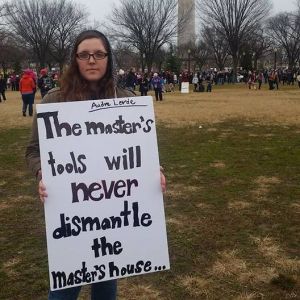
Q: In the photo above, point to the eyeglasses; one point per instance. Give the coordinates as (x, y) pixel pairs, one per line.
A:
(96, 56)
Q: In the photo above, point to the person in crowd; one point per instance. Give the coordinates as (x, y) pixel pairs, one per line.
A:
(45, 82)
(180, 81)
(13, 82)
(17, 82)
(144, 85)
(130, 80)
(175, 79)
(185, 77)
(209, 84)
(169, 82)
(284, 77)
(271, 79)
(121, 78)
(8, 83)
(298, 79)
(260, 77)
(164, 86)
(290, 77)
(276, 79)
(252, 80)
(56, 80)
(2, 88)
(201, 87)
(27, 89)
(294, 77)
(266, 75)
(195, 82)
(157, 85)
(90, 76)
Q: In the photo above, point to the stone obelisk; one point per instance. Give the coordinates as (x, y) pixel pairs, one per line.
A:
(186, 23)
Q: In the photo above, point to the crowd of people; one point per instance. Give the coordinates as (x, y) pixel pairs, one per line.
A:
(27, 85)
(163, 82)
(272, 77)
(160, 83)
(204, 81)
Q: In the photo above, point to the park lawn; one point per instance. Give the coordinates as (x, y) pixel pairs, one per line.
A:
(232, 211)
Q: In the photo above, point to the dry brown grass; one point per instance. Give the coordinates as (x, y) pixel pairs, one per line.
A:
(11, 111)
(265, 106)
(9, 267)
(195, 286)
(238, 205)
(279, 107)
(271, 250)
(246, 296)
(263, 186)
(296, 207)
(218, 165)
(4, 206)
(241, 274)
(229, 264)
(179, 190)
(129, 290)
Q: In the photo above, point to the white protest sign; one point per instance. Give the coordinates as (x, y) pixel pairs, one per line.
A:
(104, 212)
(185, 87)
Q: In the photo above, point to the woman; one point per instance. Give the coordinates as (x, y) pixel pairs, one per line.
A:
(27, 89)
(90, 76)
(45, 82)
(158, 86)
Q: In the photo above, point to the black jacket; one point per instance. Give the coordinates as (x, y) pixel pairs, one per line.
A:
(2, 85)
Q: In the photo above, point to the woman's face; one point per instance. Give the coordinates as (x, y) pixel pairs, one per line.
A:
(92, 70)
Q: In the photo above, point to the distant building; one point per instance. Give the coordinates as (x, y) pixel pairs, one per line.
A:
(186, 32)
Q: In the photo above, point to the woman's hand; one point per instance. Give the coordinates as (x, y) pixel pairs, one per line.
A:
(163, 182)
(42, 191)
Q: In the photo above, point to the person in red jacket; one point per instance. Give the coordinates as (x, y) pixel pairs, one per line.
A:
(27, 89)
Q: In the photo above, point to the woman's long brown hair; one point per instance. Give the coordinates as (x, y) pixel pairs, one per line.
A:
(75, 87)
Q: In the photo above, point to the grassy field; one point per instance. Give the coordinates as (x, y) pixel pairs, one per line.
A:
(232, 161)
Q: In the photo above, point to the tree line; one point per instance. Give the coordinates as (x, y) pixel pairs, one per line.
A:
(39, 31)
(240, 28)
(232, 32)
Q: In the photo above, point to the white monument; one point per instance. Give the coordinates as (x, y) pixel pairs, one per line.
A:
(186, 23)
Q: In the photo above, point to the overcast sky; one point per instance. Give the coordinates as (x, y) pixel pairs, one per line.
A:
(99, 9)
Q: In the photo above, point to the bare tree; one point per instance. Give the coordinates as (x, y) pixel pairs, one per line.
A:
(259, 44)
(70, 21)
(146, 25)
(217, 45)
(160, 58)
(11, 53)
(2, 13)
(5, 41)
(44, 25)
(284, 30)
(34, 22)
(125, 57)
(200, 54)
(235, 20)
